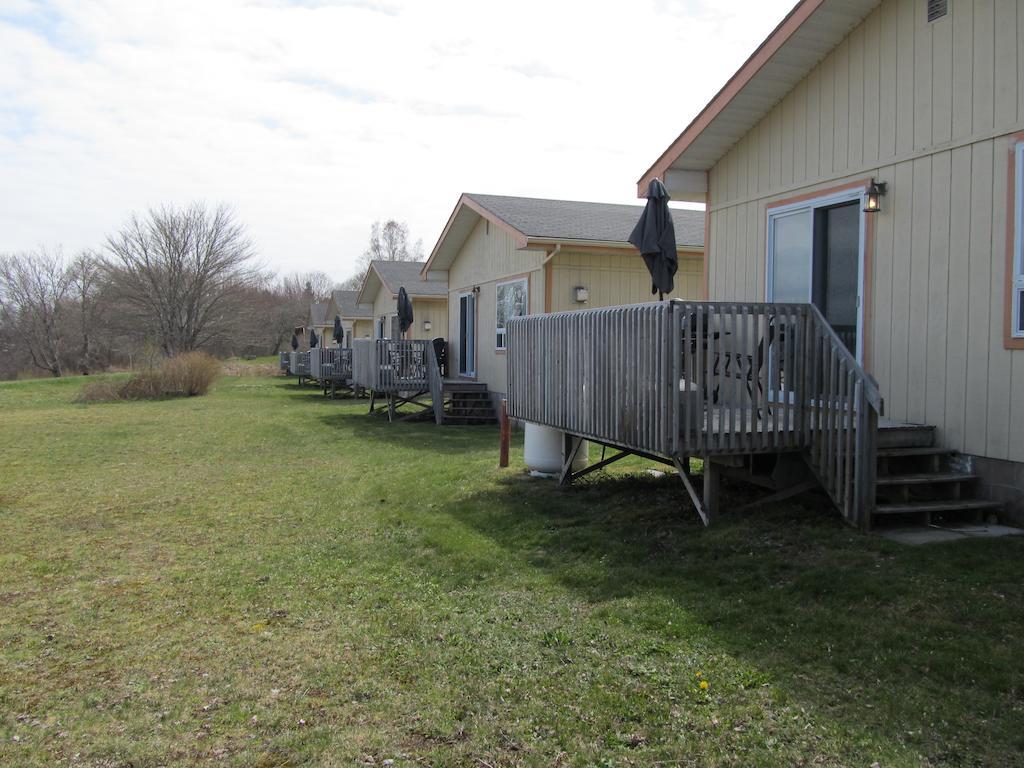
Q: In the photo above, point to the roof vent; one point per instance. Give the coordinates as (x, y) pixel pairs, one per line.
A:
(937, 9)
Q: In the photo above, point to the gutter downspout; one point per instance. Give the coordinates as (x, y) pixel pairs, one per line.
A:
(549, 276)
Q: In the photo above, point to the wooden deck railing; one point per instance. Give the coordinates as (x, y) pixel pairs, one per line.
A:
(317, 357)
(330, 364)
(390, 365)
(299, 363)
(703, 378)
(603, 374)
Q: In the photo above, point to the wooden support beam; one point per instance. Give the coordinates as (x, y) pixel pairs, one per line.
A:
(570, 447)
(600, 465)
(712, 490)
(785, 493)
(506, 434)
(684, 475)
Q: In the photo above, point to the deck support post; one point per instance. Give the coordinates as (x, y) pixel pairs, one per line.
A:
(570, 447)
(712, 489)
(506, 434)
(682, 466)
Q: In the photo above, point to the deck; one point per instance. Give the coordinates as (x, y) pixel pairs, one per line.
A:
(677, 379)
(330, 364)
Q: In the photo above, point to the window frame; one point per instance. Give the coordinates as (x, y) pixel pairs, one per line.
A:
(500, 329)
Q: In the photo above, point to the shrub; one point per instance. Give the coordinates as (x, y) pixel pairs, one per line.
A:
(187, 375)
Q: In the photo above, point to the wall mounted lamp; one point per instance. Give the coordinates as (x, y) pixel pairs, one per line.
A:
(873, 198)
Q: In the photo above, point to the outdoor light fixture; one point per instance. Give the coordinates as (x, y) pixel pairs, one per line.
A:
(873, 199)
(582, 294)
(427, 325)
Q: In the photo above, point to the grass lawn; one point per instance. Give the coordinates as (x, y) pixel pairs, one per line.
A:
(261, 577)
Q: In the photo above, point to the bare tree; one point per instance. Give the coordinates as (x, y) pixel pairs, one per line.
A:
(388, 242)
(86, 289)
(311, 286)
(34, 288)
(179, 270)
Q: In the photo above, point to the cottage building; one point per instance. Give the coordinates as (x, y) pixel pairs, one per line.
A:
(356, 318)
(869, 158)
(429, 299)
(503, 257)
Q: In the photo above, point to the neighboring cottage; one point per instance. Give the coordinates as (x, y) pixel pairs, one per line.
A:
(429, 299)
(356, 318)
(912, 109)
(502, 257)
(316, 320)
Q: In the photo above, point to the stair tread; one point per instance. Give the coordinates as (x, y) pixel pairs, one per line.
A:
(929, 450)
(936, 506)
(924, 478)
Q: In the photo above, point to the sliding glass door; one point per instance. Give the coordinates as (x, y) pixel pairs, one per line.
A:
(815, 255)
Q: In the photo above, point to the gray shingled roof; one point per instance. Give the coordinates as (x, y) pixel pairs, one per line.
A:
(318, 313)
(570, 220)
(406, 274)
(349, 307)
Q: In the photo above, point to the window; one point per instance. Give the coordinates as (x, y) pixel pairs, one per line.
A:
(511, 301)
(1017, 286)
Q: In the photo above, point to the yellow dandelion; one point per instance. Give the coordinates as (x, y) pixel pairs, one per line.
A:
(700, 674)
(703, 685)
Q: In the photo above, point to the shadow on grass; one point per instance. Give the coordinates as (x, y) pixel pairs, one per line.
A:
(442, 440)
(920, 646)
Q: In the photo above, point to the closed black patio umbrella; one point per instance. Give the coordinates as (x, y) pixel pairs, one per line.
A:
(339, 333)
(404, 311)
(313, 340)
(295, 342)
(655, 237)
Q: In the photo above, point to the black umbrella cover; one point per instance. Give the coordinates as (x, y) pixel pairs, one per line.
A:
(339, 333)
(313, 340)
(655, 237)
(404, 311)
(295, 342)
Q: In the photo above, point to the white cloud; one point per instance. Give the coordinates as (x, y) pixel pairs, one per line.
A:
(316, 118)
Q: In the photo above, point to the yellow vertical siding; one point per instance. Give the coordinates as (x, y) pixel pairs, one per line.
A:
(615, 278)
(931, 109)
(490, 257)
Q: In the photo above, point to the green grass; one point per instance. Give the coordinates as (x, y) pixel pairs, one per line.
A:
(261, 577)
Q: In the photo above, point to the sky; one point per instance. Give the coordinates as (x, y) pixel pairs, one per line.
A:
(315, 118)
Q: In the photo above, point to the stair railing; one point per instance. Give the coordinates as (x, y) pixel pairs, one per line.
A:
(436, 384)
(842, 405)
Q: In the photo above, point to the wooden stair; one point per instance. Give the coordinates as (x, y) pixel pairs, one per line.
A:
(920, 482)
(467, 402)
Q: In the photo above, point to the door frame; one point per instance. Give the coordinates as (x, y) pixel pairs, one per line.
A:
(825, 200)
(468, 374)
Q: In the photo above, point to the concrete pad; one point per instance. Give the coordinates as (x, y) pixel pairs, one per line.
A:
(933, 534)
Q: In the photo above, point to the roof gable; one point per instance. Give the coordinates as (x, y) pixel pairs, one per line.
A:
(346, 305)
(536, 220)
(799, 43)
(318, 313)
(392, 275)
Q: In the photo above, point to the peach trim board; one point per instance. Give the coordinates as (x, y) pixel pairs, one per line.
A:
(1009, 341)
(868, 253)
(786, 28)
